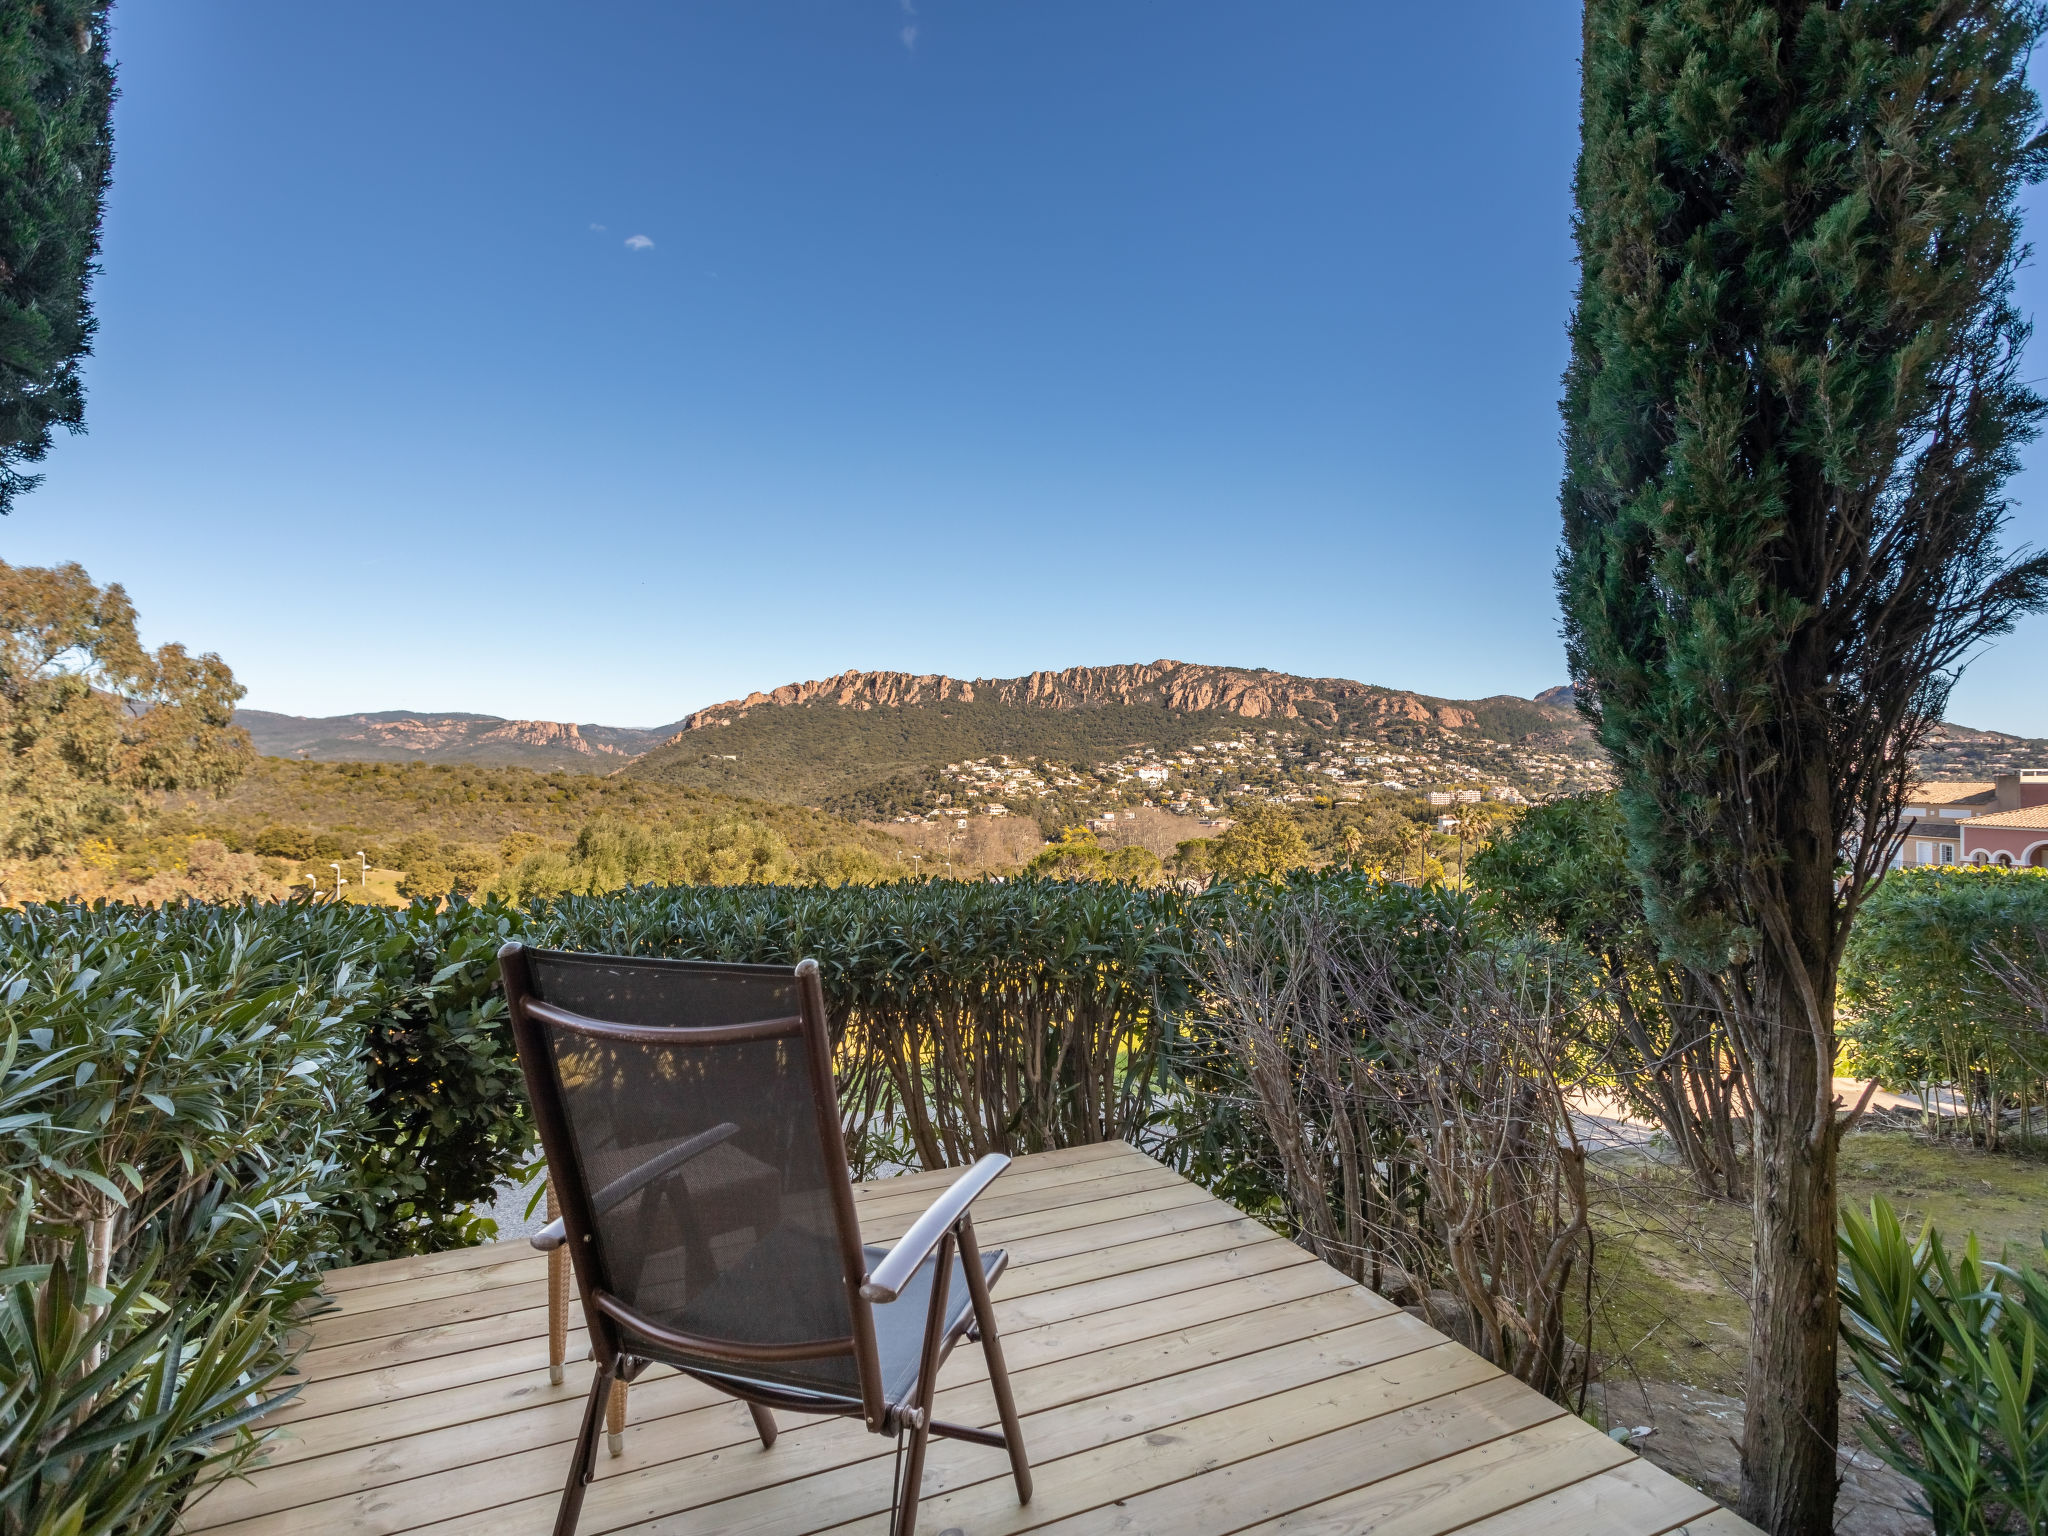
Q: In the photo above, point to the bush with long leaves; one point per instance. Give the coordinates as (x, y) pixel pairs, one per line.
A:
(114, 1406)
(1953, 1355)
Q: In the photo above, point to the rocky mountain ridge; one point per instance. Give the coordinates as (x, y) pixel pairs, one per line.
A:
(1189, 688)
(488, 740)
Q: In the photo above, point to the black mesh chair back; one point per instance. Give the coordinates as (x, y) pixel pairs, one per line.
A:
(698, 1112)
(695, 1153)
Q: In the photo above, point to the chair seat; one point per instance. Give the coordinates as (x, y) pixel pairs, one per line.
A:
(724, 1308)
(899, 1325)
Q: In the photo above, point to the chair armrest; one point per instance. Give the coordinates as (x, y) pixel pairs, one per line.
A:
(551, 1236)
(886, 1280)
(628, 1183)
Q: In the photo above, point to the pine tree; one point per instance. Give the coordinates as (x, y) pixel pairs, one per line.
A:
(1794, 398)
(56, 148)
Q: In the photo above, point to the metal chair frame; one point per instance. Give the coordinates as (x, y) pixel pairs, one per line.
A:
(945, 1230)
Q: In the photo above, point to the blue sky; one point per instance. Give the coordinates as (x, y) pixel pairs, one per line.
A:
(599, 362)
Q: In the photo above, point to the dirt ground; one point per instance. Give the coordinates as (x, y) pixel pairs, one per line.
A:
(1673, 1319)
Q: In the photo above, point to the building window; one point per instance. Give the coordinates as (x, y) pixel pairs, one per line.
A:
(1948, 853)
(1923, 852)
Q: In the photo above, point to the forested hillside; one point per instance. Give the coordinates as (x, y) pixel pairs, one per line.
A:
(879, 744)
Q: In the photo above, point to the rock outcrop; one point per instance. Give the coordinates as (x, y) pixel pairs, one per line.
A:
(1251, 694)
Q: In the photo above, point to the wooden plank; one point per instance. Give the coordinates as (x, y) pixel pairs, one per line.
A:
(1180, 1368)
(1242, 1470)
(838, 1468)
(383, 1354)
(433, 1373)
(1446, 1494)
(384, 1271)
(451, 1311)
(1047, 1365)
(1721, 1522)
(895, 1214)
(878, 1196)
(1633, 1499)
(414, 1414)
(1075, 1490)
(939, 1178)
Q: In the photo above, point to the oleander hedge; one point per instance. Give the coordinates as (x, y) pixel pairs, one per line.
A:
(204, 1106)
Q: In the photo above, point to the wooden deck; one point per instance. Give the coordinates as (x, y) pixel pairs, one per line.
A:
(1181, 1371)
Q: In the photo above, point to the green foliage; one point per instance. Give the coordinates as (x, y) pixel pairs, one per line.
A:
(1954, 1356)
(56, 146)
(1794, 396)
(1562, 874)
(448, 1115)
(1079, 855)
(90, 720)
(113, 1407)
(1923, 980)
(970, 1016)
(183, 1112)
(1264, 843)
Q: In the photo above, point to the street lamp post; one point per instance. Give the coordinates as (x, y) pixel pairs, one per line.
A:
(363, 859)
(335, 865)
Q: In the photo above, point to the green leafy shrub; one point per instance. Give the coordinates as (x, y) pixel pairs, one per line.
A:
(115, 1408)
(1936, 987)
(1953, 1356)
(969, 1016)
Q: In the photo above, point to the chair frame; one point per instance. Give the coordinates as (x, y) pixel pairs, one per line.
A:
(945, 1229)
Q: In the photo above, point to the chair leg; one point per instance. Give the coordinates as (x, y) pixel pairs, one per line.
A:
(615, 1418)
(912, 1483)
(583, 1464)
(764, 1425)
(558, 1302)
(992, 1351)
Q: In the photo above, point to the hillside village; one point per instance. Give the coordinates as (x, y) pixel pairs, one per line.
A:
(1206, 778)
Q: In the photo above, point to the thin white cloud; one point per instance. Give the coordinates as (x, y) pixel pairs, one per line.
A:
(639, 243)
(909, 35)
(598, 227)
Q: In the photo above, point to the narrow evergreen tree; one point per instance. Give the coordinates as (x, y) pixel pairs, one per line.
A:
(1793, 401)
(56, 148)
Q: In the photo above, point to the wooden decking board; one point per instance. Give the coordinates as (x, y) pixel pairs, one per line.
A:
(420, 1412)
(1634, 1496)
(515, 1286)
(838, 1471)
(1139, 1456)
(1453, 1491)
(385, 1270)
(1120, 1344)
(1052, 1188)
(1180, 1369)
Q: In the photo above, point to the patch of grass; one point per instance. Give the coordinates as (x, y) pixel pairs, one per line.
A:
(2001, 1196)
(1669, 1304)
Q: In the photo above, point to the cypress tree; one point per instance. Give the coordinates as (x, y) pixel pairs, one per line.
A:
(1794, 399)
(56, 149)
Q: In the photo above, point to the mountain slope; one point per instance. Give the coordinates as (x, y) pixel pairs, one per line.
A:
(870, 742)
(393, 736)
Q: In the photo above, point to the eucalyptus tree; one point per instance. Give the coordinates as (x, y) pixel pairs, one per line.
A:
(1794, 398)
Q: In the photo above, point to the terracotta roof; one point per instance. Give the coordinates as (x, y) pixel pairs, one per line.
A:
(1947, 791)
(2032, 816)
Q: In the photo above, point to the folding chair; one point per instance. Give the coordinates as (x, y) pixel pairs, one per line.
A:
(695, 1154)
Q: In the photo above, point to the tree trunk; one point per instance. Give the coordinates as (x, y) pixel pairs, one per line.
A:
(1790, 1426)
(1789, 1430)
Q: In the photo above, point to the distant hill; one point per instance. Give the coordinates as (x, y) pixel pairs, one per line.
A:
(886, 745)
(1958, 752)
(873, 743)
(396, 736)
